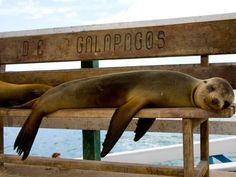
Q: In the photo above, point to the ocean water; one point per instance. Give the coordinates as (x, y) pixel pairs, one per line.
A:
(69, 142)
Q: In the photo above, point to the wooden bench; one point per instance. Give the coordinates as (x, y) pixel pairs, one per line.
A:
(201, 36)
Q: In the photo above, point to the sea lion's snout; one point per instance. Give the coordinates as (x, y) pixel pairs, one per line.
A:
(226, 104)
(215, 103)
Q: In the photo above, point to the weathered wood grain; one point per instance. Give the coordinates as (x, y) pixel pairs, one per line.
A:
(202, 169)
(2, 70)
(183, 112)
(161, 125)
(98, 119)
(16, 170)
(204, 145)
(98, 166)
(1, 137)
(54, 78)
(188, 155)
(196, 38)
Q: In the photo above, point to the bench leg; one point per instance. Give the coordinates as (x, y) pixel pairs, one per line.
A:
(188, 148)
(2, 70)
(204, 136)
(1, 140)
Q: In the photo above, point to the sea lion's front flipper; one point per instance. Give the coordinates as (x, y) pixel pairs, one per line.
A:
(120, 120)
(143, 126)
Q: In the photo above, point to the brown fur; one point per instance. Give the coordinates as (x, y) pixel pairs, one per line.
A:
(128, 92)
(16, 94)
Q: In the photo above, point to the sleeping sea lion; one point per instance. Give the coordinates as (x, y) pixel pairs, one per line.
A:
(16, 94)
(128, 92)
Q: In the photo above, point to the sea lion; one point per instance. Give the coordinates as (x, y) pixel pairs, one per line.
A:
(128, 92)
(16, 94)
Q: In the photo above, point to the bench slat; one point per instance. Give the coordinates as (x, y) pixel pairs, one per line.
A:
(188, 112)
(196, 38)
(57, 77)
(226, 127)
(14, 170)
(96, 165)
(98, 119)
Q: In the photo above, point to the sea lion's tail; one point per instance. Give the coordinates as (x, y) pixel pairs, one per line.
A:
(28, 104)
(28, 133)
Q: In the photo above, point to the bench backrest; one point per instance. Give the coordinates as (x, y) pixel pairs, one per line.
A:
(201, 36)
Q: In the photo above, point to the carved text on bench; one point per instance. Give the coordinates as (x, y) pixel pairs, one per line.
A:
(103, 43)
(121, 42)
(137, 42)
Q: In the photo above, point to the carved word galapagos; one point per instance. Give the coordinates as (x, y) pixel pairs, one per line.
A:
(101, 43)
(121, 42)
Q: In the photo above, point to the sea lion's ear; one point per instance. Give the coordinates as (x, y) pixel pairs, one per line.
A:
(119, 121)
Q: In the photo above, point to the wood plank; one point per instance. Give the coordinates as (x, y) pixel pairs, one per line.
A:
(188, 148)
(54, 78)
(184, 112)
(13, 170)
(1, 139)
(160, 125)
(97, 165)
(202, 168)
(198, 122)
(204, 60)
(196, 38)
(2, 70)
(226, 127)
(204, 138)
(134, 24)
(79, 119)
(204, 145)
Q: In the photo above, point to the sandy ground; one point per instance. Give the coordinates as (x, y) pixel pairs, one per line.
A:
(10, 170)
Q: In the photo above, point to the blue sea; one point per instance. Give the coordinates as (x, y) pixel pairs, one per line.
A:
(69, 142)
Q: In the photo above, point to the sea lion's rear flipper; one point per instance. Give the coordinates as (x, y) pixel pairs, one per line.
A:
(143, 126)
(28, 104)
(120, 120)
(28, 133)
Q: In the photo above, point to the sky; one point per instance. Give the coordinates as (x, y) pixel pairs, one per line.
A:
(18, 15)
(34, 14)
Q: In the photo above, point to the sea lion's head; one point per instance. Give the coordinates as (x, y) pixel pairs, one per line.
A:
(214, 94)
